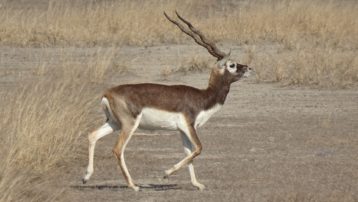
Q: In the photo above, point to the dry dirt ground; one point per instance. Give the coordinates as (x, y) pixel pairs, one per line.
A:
(268, 143)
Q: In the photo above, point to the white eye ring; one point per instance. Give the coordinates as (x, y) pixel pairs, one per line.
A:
(232, 66)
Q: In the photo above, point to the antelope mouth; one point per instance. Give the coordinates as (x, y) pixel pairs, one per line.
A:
(248, 72)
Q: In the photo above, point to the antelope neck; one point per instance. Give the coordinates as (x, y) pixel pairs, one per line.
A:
(217, 89)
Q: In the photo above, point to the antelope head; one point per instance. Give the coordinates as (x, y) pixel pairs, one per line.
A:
(226, 69)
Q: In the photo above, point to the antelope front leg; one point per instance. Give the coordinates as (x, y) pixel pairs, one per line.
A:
(188, 149)
(190, 133)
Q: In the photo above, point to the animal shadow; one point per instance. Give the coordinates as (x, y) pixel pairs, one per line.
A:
(153, 187)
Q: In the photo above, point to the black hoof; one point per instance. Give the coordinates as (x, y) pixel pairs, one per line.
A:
(84, 181)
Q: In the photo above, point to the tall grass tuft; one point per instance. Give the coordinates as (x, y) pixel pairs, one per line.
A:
(40, 123)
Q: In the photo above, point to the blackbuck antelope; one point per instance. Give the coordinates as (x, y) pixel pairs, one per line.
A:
(176, 107)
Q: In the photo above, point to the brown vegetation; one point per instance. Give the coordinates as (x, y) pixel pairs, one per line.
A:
(329, 24)
(319, 38)
(41, 120)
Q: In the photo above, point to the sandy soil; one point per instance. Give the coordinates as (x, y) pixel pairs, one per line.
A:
(268, 143)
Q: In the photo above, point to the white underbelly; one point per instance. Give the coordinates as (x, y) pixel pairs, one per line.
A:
(156, 119)
(153, 119)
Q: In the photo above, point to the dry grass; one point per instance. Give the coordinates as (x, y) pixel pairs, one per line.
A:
(40, 125)
(307, 29)
(313, 66)
(39, 133)
(37, 139)
(328, 23)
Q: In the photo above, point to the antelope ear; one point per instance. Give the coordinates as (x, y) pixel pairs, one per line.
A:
(221, 64)
(228, 54)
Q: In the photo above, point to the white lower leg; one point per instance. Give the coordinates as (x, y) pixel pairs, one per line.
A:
(93, 137)
(187, 149)
(126, 173)
(89, 170)
(194, 181)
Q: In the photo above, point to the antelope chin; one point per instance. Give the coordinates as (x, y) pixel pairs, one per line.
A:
(247, 74)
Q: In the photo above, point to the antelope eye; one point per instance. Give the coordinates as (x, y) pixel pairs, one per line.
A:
(232, 65)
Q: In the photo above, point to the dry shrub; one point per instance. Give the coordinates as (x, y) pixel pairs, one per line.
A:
(93, 69)
(308, 66)
(197, 64)
(41, 122)
(40, 112)
(194, 64)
